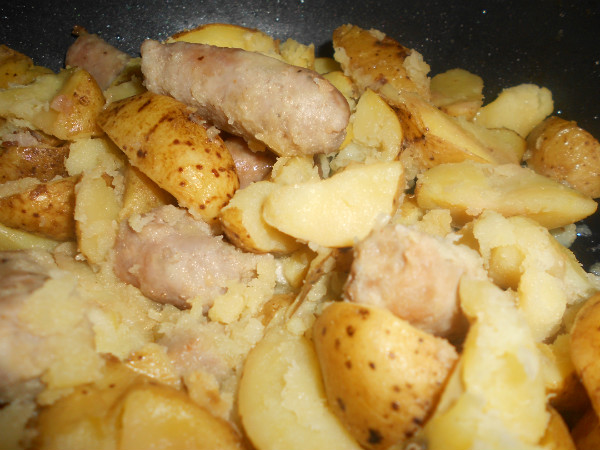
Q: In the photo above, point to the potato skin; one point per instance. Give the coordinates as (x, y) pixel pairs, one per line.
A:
(46, 209)
(382, 376)
(43, 163)
(160, 138)
(561, 150)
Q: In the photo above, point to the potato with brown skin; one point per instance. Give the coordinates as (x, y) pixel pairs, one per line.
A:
(382, 376)
(585, 348)
(17, 68)
(43, 163)
(45, 209)
(174, 148)
(566, 153)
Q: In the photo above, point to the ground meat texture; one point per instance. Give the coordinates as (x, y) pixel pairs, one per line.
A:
(415, 275)
(172, 257)
(103, 61)
(292, 110)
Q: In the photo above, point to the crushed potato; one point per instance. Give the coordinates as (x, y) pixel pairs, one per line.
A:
(275, 347)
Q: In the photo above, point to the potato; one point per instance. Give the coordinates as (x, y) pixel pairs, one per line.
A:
(522, 255)
(45, 209)
(281, 399)
(336, 211)
(567, 153)
(161, 137)
(586, 433)
(325, 64)
(558, 435)
(374, 124)
(41, 162)
(141, 194)
(227, 35)
(14, 239)
(297, 54)
(382, 376)
(17, 68)
(457, 92)
(125, 410)
(97, 206)
(160, 417)
(585, 348)
(519, 108)
(64, 105)
(433, 137)
(373, 59)
(244, 225)
(345, 85)
(469, 188)
(496, 396)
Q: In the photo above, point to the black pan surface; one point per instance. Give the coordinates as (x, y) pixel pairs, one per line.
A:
(553, 43)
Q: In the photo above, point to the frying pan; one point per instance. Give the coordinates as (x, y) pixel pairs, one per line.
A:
(553, 43)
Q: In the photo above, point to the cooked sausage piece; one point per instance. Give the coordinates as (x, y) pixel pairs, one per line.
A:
(290, 109)
(103, 61)
(250, 166)
(415, 275)
(171, 258)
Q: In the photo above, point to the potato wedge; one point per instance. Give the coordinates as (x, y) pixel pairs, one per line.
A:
(141, 194)
(374, 124)
(336, 211)
(297, 54)
(17, 68)
(433, 137)
(244, 225)
(46, 209)
(457, 92)
(43, 163)
(64, 105)
(382, 376)
(567, 153)
(162, 138)
(520, 108)
(469, 188)
(228, 35)
(14, 239)
(282, 402)
(373, 59)
(585, 348)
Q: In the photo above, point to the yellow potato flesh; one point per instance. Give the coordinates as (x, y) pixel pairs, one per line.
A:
(339, 210)
(469, 188)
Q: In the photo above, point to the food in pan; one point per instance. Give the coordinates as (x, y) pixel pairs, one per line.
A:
(229, 243)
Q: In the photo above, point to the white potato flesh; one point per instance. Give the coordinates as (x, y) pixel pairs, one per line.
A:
(337, 211)
(282, 400)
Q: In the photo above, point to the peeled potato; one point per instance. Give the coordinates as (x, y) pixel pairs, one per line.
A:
(457, 92)
(336, 211)
(519, 108)
(469, 188)
(281, 399)
(162, 139)
(382, 375)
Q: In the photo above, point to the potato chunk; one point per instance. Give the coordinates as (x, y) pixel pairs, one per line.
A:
(339, 210)
(457, 92)
(282, 401)
(64, 105)
(382, 375)
(567, 153)
(519, 108)
(162, 138)
(469, 188)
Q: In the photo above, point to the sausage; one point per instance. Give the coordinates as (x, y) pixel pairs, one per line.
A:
(172, 257)
(250, 166)
(294, 111)
(415, 275)
(103, 61)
